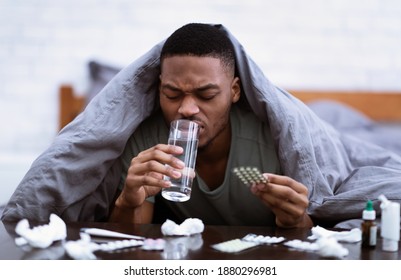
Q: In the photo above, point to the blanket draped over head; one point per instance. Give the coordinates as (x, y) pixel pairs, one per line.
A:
(77, 176)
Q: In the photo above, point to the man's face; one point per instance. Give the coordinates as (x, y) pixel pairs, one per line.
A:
(199, 89)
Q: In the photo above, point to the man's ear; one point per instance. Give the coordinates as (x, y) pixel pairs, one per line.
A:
(236, 89)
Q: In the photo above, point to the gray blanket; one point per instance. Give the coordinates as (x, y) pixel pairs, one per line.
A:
(78, 175)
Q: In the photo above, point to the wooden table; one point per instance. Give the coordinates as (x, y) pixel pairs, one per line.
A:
(197, 247)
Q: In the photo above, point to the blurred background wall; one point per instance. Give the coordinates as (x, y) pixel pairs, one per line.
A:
(326, 44)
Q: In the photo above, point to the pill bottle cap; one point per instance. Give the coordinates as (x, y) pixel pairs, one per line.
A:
(369, 213)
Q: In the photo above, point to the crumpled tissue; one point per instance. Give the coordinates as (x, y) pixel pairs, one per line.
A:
(325, 247)
(41, 236)
(351, 236)
(81, 249)
(329, 247)
(189, 227)
(327, 242)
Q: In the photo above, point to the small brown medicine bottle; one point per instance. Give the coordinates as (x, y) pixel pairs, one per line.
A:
(369, 226)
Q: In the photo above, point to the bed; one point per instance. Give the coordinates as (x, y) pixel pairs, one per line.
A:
(373, 116)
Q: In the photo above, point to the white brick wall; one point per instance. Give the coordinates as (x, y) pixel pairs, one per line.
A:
(352, 44)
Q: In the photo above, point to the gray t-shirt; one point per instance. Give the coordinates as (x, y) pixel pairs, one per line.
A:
(231, 203)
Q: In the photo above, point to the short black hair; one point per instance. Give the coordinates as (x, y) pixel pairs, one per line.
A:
(203, 40)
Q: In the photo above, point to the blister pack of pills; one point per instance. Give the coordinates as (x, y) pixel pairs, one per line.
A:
(151, 244)
(261, 239)
(249, 175)
(119, 244)
(234, 246)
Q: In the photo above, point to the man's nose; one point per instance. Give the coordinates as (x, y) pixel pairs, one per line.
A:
(188, 106)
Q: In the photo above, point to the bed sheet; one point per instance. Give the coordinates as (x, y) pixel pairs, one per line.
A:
(348, 120)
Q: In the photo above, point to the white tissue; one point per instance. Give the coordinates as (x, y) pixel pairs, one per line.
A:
(41, 236)
(81, 249)
(188, 227)
(352, 236)
(325, 247)
(329, 247)
(327, 242)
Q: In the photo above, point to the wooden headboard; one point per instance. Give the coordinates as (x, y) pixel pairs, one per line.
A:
(70, 105)
(379, 106)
